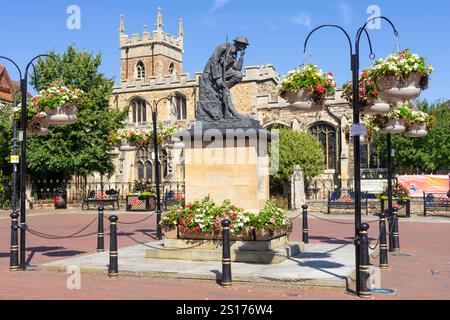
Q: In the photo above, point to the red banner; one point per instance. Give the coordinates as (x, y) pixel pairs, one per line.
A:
(417, 185)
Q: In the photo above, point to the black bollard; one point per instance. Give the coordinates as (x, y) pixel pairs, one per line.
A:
(305, 224)
(384, 264)
(14, 257)
(101, 229)
(113, 270)
(226, 257)
(364, 268)
(395, 247)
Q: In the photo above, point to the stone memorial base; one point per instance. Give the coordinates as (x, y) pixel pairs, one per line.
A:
(262, 252)
(227, 164)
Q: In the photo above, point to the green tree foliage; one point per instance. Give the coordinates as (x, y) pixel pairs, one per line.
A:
(79, 149)
(5, 135)
(297, 148)
(422, 155)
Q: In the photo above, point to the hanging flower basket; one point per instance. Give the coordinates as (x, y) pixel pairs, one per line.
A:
(418, 130)
(126, 146)
(302, 101)
(306, 89)
(395, 89)
(401, 76)
(59, 103)
(64, 115)
(37, 132)
(394, 126)
(376, 107)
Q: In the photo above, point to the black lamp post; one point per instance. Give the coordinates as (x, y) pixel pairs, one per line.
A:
(23, 158)
(354, 53)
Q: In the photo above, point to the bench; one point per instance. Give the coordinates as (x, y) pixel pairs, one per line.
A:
(435, 202)
(346, 200)
(110, 197)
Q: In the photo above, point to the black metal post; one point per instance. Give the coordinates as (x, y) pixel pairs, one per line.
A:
(23, 173)
(157, 174)
(14, 257)
(101, 230)
(364, 267)
(384, 263)
(390, 195)
(395, 245)
(226, 257)
(305, 229)
(15, 164)
(113, 269)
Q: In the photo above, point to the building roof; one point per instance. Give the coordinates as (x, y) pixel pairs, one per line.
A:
(7, 86)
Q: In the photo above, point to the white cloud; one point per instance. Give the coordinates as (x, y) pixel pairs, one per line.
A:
(303, 19)
(219, 4)
(346, 11)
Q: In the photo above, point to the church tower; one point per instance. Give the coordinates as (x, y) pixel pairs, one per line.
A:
(150, 55)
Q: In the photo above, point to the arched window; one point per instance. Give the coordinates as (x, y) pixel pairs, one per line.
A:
(148, 171)
(171, 69)
(181, 106)
(140, 70)
(327, 136)
(139, 109)
(140, 171)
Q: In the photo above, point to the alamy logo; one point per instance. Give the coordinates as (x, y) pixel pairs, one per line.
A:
(374, 11)
(74, 20)
(74, 280)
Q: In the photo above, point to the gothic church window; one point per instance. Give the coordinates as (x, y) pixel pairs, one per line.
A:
(140, 70)
(171, 69)
(326, 134)
(139, 109)
(181, 106)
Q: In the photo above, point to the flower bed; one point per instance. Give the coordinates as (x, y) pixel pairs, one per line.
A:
(202, 220)
(305, 89)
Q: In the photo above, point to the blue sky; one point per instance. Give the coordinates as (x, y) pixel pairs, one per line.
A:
(276, 30)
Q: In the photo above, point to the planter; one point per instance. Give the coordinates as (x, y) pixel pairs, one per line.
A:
(378, 107)
(417, 130)
(197, 236)
(394, 126)
(141, 204)
(301, 101)
(393, 89)
(45, 122)
(170, 232)
(270, 233)
(246, 234)
(126, 146)
(64, 115)
(41, 132)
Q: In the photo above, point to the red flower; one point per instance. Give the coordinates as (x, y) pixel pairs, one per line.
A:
(235, 216)
(330, 74)
(321, 89)
(375, 93)
(364, 74)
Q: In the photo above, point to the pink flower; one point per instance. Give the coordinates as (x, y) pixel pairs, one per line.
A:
(321, 89)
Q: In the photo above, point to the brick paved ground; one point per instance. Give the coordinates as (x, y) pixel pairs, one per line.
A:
(425, 274)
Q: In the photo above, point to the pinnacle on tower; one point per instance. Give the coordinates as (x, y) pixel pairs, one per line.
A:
(145, 28)
(159, 21)
(122, 25)
(181, 30)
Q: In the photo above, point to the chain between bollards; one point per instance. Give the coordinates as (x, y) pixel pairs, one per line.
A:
(101, 229)
(384, 263)
(395, 236)
(305, 230)
(226, 257)
(14, 257)
(364, 266)
(113, 269)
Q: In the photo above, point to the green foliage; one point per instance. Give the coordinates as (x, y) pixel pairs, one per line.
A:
(303, 149)
(79, 149)
(422, 155)
(5, 134)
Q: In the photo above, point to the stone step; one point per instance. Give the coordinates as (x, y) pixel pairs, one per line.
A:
(274, 256)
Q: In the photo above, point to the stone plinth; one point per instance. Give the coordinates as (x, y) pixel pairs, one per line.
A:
(264, 252)
(227, 164)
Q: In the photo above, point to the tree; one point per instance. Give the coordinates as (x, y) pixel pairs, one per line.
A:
(422, 155)
(79, 149)
(297, 148)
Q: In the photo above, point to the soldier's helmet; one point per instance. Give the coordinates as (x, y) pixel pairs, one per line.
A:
(242, 40)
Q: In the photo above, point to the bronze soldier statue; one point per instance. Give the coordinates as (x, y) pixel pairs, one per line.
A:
(222, 72)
